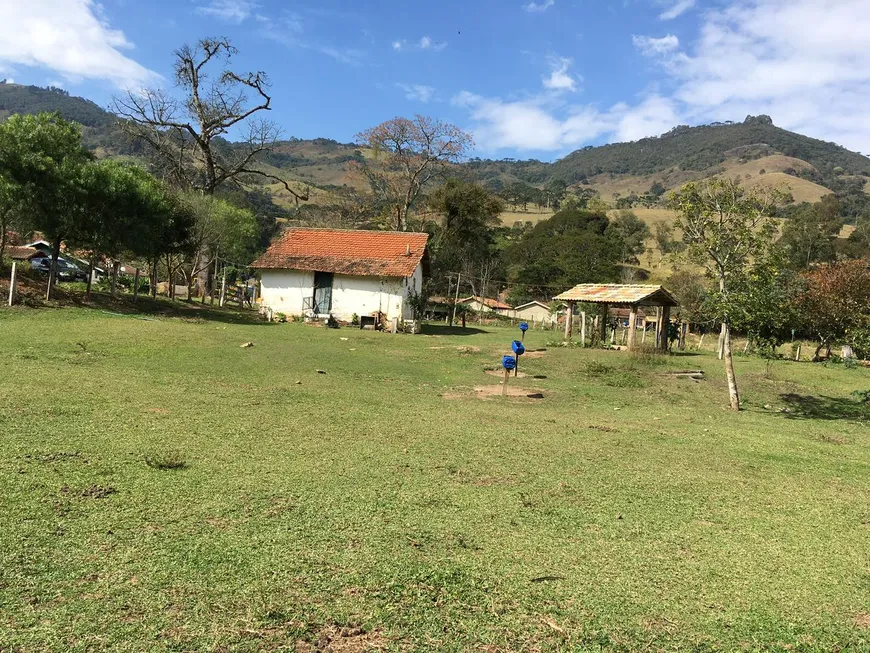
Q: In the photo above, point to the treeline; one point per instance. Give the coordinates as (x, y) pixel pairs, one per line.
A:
(112, 211)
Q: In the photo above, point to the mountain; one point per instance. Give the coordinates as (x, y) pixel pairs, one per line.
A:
(755, 149)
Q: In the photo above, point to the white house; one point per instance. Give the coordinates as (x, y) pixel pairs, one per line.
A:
(486, 305)
(536, 312)
(338, 272)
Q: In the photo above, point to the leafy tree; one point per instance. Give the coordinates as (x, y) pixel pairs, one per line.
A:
(409, 153)
(463, 235)
(572, 247)
(692, 293)
(219, 229)
(632, 232)
(763, 301)
(836, 302)
(809, 235)
(663, 234)
(725, 227)
(41, 158)
(187, 136)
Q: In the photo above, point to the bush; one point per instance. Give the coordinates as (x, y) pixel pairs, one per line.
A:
(165, 459)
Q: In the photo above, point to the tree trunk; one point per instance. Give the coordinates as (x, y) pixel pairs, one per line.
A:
(154, 279)
(3, 239)
(721, 349)
(733, 394)
(52, 272)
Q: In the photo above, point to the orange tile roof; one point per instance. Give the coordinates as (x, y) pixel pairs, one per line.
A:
(615, 293)
(343, 251)
(21, 253)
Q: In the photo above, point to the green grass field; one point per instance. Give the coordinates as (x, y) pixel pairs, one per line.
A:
(383, 504)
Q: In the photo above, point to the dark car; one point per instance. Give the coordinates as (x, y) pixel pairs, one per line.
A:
(66, 271)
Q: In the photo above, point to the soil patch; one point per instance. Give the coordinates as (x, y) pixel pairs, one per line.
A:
(343, 640)
(500, 374)
(495, 391)
(467, 349)
(863, 620)
(533, 354)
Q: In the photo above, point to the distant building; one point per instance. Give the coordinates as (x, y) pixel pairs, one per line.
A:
(322, 272)
(537, 312)
(487, 305)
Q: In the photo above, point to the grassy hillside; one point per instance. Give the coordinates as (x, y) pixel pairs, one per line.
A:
(755, 150)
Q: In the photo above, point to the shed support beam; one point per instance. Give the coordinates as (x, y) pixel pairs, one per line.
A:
(603, 323)
(569, 318)
(582, 328)
(632, 326)
(666, 320)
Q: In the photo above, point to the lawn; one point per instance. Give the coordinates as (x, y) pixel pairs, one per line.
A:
(382, 503)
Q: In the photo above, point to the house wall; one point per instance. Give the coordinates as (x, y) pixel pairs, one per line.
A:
(535, 313)
(284, 291)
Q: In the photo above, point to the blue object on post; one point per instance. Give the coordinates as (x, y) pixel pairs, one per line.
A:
(509, 362)
(518, 347)
(524, 326)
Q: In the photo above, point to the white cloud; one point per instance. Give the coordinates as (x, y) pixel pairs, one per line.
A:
(232, 11)
(677, 9)
(559, 78)
(650, 46)
(803, 62)
(425, 43)
(71, 39)
(9, 80)
(417, 92)
(536, 124)
(538, 7)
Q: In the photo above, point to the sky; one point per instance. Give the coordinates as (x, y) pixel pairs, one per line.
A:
(528, 78)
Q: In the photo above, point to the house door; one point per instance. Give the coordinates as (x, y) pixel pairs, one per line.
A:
(322, 292)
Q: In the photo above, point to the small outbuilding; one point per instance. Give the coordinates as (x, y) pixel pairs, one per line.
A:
(536, 312)
(486, 305)
(342, 273)
(630, 296)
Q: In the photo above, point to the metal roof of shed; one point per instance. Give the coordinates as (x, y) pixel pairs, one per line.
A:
(615, 293)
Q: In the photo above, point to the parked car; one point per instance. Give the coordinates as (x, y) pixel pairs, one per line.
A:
(66, 271)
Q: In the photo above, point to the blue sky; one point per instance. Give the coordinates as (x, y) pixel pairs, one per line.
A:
(529, 78)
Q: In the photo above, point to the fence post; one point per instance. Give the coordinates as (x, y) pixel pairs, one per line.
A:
(12, 282)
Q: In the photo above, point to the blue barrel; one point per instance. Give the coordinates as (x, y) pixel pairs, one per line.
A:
(509, 362)
(518, 348)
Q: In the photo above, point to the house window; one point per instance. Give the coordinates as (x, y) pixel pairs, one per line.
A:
(322, 292)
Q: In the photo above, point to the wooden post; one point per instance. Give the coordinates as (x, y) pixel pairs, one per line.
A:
(569, 318)
(684, 331)
(507, 374)
(632, 326)
(666, 320)
(582, 328)
(603, 323)
(12, 282)
(797, 355)
(224, 286)
(643, 335)
(136, 285)
(701, 341)
(455, 300)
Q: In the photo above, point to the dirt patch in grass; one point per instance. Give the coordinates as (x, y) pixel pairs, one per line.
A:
(500, 374)
(334, 639)
(863, 620)
(495, 391)
(467, 349)
(533, 354)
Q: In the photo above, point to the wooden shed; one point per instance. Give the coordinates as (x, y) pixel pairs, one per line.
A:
(631, 296)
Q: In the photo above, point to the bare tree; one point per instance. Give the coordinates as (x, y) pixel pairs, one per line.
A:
(408, 154)
(187, 137)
